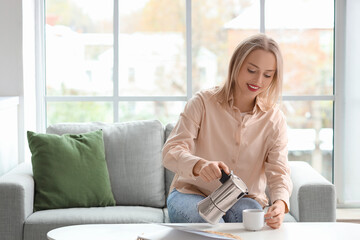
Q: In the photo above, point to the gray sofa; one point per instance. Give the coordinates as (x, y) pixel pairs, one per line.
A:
(139, 183)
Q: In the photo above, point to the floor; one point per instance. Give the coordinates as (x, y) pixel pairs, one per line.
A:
(348, 215)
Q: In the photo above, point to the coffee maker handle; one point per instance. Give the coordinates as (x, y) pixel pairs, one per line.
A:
(224, 177)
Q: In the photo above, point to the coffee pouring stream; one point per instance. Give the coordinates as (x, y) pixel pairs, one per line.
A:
(214, 206)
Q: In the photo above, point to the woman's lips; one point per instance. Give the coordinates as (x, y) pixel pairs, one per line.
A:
(253, 88)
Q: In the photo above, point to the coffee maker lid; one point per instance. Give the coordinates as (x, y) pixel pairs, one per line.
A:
(238, 182)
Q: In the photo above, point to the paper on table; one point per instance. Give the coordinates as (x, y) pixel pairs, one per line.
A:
(175, 232)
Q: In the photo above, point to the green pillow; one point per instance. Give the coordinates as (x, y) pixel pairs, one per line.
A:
(69, 170)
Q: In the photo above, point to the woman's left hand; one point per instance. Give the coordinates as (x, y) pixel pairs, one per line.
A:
(275, 214)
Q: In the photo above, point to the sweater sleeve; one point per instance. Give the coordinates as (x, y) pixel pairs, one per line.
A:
(178, 151)
(277, 169)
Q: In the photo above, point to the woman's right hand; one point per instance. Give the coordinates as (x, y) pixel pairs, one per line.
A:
(209, 170)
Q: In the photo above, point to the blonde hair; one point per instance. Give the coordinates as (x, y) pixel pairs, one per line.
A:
(259, 41)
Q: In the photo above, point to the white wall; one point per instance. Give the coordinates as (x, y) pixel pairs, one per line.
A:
(17, 64)
(11, 82)
(9, 133)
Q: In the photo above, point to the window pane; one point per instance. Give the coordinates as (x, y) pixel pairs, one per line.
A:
(305, 34)
(310, 132)
(152, 60)
(217, 28)
(79, 47)
(166, 112)
(79, 112)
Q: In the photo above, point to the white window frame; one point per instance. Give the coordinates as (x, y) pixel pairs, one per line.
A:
(341, 51)
(339, 75)
(337, 97)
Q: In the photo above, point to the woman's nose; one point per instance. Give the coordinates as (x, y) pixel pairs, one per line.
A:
(259, 78)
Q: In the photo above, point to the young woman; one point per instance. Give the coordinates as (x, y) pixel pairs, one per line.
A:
(237, 127)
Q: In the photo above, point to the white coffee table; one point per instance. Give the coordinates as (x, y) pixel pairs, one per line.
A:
(288, 231)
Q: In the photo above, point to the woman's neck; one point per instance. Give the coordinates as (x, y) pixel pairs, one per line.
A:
(243, 104)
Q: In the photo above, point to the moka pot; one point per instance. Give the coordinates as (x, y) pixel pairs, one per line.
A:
(213, 207)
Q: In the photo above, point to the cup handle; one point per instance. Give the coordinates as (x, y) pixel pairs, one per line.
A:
(266, 219)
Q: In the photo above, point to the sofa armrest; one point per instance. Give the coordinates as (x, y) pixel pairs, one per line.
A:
(16, 201)
(313, 198)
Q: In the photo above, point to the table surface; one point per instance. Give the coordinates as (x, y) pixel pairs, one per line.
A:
(293, 231)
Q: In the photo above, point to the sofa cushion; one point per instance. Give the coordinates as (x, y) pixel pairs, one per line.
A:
(69, 170)
(38, 224)
(133, 155)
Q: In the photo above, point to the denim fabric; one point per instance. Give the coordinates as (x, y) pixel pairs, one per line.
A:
(183, 208)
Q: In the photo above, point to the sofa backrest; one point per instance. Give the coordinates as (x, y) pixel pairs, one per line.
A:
(133, 156)
(169, 175)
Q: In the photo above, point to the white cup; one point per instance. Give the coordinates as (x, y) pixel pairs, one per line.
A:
(253, 219)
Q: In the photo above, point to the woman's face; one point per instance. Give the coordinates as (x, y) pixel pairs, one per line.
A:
(256, 73)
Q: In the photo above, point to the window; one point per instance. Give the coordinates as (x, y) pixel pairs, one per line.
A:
(307, 45)
(142, 59)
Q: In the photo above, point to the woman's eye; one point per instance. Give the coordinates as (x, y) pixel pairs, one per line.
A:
(251, 71)
(267, 76)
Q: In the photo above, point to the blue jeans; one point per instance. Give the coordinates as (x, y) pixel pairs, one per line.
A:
(183, 208)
